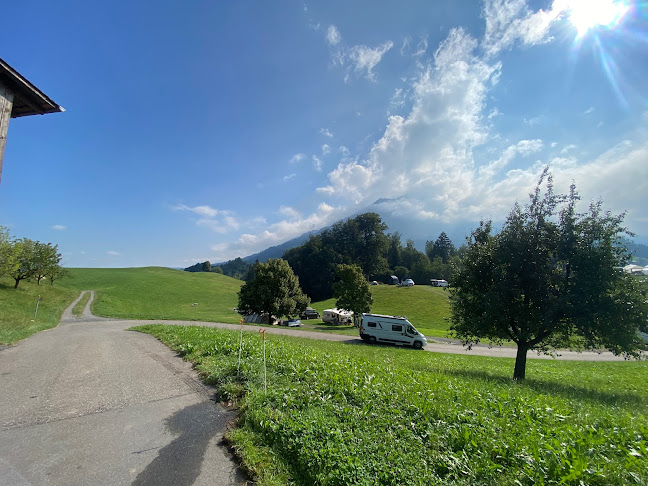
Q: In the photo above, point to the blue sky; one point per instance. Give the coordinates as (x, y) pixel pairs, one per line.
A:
(209, 130)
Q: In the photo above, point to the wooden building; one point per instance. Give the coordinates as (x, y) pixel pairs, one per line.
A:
(18, 97)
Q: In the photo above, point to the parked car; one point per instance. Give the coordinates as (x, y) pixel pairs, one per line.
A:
(438, 283)
(374, 283)
(408, 282)
(309, 313)
(293, 323)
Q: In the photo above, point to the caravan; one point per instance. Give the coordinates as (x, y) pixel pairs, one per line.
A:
(337, 316)
(377, 328)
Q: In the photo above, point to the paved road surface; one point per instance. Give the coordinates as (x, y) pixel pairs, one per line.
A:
(89, 404)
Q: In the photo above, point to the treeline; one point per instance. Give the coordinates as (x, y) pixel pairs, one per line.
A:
(22, 259)
(237, 268)
(363, 241)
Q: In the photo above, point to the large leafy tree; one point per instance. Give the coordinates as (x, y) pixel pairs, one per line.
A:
(548, 280)
(352, 291)
(274, 290)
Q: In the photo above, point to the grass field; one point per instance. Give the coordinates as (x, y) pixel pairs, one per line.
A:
(337, 414)
(17, 308)
(158, 293)
(163, 293)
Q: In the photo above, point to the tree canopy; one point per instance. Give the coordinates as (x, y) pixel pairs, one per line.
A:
(548, 280)
(352, 291)
(274, 290)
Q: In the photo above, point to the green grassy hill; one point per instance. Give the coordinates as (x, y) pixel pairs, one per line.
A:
(424, 306)
(158, 293)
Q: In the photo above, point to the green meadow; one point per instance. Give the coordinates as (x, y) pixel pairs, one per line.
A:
(163, 293)
(339, 414)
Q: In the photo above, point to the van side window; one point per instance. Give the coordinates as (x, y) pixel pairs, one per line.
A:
(397, 328)
(371, 324)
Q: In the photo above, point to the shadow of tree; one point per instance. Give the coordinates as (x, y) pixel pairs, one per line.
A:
(554, 388)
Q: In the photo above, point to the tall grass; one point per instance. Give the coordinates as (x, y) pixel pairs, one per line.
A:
(338, 414)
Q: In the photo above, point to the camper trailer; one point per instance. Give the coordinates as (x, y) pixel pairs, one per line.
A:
(376, 328)
(337, 316)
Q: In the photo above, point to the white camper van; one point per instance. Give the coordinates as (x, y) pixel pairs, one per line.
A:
(377, 328)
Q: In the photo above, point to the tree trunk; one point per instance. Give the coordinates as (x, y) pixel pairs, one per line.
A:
(17, 282)
(520, 361)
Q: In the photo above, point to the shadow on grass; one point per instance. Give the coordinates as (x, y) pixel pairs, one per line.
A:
(553, 388)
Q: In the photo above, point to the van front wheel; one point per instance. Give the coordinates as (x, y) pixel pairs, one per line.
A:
(417, 345)
(372, 339)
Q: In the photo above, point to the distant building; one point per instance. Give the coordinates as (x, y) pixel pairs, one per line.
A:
(18, 97)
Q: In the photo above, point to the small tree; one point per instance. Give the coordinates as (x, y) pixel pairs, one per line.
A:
(55, 273)
(352, 291)
(548, 279)
(24, 256)
(47, 260)
(206, 267)
(274, 290)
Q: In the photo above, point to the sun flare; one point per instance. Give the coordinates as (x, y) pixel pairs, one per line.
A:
(588, 14)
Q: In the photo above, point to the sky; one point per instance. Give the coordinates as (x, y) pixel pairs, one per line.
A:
(206, 130)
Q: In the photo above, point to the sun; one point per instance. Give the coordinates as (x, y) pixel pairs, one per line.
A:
(589, 14)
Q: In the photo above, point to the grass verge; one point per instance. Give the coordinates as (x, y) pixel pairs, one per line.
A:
(337, 414)
(18, 306)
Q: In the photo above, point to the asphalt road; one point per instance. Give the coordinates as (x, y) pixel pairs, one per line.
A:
(89, 404)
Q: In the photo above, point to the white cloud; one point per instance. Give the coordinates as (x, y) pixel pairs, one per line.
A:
(277, 233)
(208, 218)
(523, 148)
(59, 227)
(317, 163)
(289, 212)
(113, 253)
(589, 110)
(536, 120)
(326, 149)
(289, 176)
(333, 35)
(431, 146)
(297, 158)
(364, 59)
(205, 211)
(360, 58)
(494, 112)
(510, 21)
(421, 46)
(326, 132)
(407, 40)
(568, 148)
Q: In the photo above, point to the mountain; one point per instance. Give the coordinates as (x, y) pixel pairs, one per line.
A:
(278, 250)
